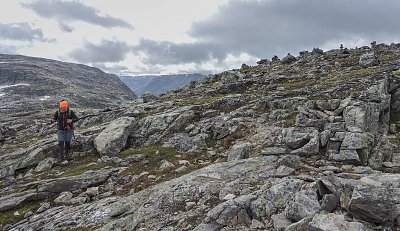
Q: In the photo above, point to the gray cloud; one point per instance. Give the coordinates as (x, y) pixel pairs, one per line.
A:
(106, 51)
(164, 52)
(74, 11)
(65, 28)
(6, 49)
(263, 28)
(20, 32)
(111, 69)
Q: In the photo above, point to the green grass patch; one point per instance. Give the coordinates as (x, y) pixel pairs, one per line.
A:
(362, 71)
(8, 217)
(78, 166)
(94, 122)
(292, 84)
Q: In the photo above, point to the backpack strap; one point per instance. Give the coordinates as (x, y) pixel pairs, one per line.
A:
(69, 113)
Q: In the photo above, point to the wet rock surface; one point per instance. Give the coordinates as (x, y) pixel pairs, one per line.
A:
(305, 143)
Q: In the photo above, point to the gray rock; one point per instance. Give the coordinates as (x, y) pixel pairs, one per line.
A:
(368, 60)
(283, 171)
(85, 180)
(346, 156)
(295, 138)
(331, 221)
(43, 207)
(262, 208)
(311, 148)
(280, 194)
(300, 225)
(372, 204)
(148, 97)
(382, 152)
(45, 164)
(113, 138)
(280, 222)
(255, 224)
(291, 161)
(355, 141)
(240, 151)
(302, 205)
(355, 118)
(166, 166)
(64, 198)
(231, 212)
(329, 202)
(329, 105)
(11, 201)
(288, 59)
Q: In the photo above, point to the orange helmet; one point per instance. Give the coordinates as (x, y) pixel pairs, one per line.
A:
(64, 105)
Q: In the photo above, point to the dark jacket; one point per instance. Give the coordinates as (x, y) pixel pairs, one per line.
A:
(61, 118)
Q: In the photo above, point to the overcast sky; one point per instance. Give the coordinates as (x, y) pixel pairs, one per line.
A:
(184, 36)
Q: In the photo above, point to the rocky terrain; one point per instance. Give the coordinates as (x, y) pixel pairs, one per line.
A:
(302, 143)
(158, 84)
(28, 83)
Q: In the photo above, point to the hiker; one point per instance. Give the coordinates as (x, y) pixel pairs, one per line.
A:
(65, 118)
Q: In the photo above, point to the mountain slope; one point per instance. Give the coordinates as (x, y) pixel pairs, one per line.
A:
(28, 83)
(303, 143)
(158, 84)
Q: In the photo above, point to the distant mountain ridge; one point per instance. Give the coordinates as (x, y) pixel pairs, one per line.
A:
(158, 84)
(29, 83)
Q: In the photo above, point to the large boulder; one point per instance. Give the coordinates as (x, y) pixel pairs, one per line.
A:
(113, 138)
(373, 204)
(85, 180)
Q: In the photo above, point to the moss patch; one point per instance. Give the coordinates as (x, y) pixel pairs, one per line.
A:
(9, 217)
(92, 123)
(198, 100)
(78, 166)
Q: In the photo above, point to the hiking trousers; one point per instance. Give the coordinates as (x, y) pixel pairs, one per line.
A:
(64, 143)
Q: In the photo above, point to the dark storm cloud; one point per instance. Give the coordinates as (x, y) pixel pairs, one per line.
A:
(164, 52)
(74, 11)
(20, 32)
(276, 26)
(106, 51)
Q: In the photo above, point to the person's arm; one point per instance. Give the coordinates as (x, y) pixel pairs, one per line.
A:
(54, 118)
